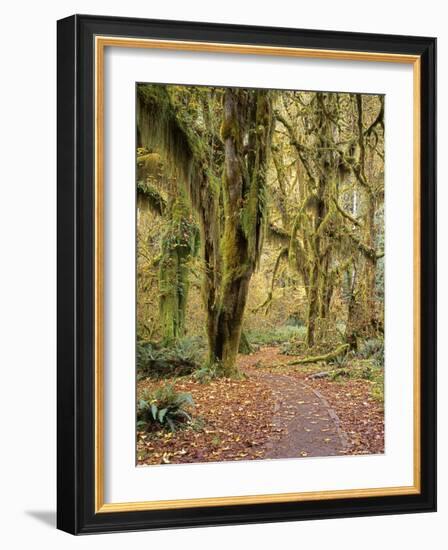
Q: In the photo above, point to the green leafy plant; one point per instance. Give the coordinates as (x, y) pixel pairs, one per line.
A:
(366, 373)
(377, 392)
(340, 360)
(179, 358)
(373, 349)
(164, 408)
(276, 335)
(340, 373)
(207, 373)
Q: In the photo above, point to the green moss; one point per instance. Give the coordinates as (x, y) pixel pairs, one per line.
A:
(276, 335)
(163, 130)
(178, 246)
(229, 128)
(152, 197)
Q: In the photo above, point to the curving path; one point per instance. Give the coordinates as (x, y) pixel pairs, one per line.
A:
(303, 422)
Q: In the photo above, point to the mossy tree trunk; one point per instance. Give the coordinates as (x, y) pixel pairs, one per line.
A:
(246, 133)
(318, 272)
(314, 222)
(362, 321)
(312, 310)
(211, 256)
(324, 189)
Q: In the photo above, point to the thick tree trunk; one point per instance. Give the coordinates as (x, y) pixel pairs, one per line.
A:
(246, 115)
(230, 320)
(237, 268)
(362, 321)
(210, 289)
(316, 278)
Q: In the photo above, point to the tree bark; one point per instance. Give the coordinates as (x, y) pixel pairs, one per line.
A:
(246, 119)
(343, 348)
(362, 321)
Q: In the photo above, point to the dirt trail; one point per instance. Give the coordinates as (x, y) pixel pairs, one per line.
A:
(304, 423)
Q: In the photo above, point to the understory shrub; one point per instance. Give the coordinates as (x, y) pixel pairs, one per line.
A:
(207, 373)
(164, 408)
(277, 335)
(340, 360)
(365, 369)
(373, 348)
(366, 373)
(377, 392)
(177, 359)
(340, 373)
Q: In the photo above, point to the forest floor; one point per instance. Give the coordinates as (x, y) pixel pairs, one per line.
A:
(275, 411)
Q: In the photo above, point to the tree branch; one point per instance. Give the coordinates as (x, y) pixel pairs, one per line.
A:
(346, 215)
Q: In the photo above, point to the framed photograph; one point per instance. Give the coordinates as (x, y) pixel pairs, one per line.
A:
(246, 274)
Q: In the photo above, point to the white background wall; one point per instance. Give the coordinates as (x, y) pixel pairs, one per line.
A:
(27, 273)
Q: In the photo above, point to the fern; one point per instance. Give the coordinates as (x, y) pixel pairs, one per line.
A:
(165, 408)
(180, 358)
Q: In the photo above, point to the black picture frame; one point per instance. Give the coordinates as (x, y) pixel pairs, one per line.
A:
(76, 271)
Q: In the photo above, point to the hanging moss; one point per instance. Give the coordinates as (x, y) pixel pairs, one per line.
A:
(148, 165)
(161, 127)
(161, 130)
(229, 129)
(253, 216)
(178, 246)
(152, 197)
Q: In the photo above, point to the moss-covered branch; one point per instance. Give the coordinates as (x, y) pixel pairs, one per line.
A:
(283, 255)
(346, 215)
(343, 348)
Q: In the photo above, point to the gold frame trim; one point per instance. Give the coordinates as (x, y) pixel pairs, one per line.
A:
(101, 42)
